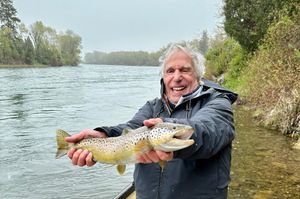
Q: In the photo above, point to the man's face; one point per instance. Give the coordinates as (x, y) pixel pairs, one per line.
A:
(179, 76)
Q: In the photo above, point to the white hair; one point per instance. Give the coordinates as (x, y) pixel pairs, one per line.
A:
(197, 58)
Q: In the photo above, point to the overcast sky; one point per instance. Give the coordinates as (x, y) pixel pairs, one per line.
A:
(112, 25)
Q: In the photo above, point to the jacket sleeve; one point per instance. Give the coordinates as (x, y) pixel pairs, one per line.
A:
(214, 128)
(143, 113)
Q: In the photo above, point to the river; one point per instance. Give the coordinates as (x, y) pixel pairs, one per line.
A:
(34, 102)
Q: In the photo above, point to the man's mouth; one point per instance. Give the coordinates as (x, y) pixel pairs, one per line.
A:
(179, 88)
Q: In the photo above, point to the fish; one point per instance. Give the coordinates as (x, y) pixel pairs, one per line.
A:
(132, 143)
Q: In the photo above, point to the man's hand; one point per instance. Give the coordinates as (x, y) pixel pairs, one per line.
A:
(154, 156)
(83, 157)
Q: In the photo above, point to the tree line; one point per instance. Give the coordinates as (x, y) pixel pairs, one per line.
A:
(36, 44)
(141, 58)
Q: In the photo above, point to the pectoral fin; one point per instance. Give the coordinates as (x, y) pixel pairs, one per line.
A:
(121, 169)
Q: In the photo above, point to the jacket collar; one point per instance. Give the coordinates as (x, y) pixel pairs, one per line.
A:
(184, 98)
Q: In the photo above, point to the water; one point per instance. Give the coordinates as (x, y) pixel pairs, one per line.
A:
(264, 164)
(34, 102)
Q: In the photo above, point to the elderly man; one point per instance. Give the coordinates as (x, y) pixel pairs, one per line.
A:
(200, 171)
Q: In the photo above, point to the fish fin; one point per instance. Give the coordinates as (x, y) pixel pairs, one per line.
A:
(62, 146)
(135, 131)
(142, 147)
(162, 164)
(121, 169)
(125, 131)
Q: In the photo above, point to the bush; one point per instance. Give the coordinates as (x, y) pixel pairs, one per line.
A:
(225, 58)
(273, 74)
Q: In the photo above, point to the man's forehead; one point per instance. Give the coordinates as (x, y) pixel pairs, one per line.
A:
(178, 66)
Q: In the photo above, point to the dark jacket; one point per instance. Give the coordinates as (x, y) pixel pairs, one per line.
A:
(202, 170)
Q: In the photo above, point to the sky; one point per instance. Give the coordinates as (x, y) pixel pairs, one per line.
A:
(125, 25)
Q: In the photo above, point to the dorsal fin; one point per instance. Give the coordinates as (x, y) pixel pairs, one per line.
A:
(126, 131)
(135, 131)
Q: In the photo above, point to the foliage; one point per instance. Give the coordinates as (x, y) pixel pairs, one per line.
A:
(275, 70)
(69, 45)
(39, 44)
(8, 17)
(29, 55)
(225, 57)
(248, 20)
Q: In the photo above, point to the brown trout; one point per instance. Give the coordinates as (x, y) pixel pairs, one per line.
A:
(126, 148)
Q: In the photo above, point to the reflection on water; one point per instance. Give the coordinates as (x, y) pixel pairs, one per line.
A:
(34, 102)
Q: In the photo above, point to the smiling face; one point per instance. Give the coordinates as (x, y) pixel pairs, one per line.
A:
(179, 75)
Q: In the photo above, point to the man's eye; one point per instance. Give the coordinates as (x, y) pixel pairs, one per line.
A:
(186, 70)
(170, 71)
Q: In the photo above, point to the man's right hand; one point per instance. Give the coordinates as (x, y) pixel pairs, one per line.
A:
(83, 157)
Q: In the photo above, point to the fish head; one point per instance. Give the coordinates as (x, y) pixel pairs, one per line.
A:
(170, 136)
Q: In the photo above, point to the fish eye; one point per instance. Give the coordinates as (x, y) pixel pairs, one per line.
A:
(174, 127)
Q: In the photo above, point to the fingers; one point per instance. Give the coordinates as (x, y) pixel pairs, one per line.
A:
(166, 156)
(84, 134)
(71, 152)
(152, 122)
(148, 157)
(89, 160)
(81, 157)
(155, 156)
(75, 138)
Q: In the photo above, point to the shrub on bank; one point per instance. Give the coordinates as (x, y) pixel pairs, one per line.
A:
(272, 76)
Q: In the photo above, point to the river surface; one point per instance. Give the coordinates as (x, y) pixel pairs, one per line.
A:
(34, 102)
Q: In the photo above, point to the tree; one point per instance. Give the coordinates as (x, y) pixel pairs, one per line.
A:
(29, 51)
(45, 43)
(69, 45)
(8, 16)
(203, 43)
(8, 52)
(248, 20)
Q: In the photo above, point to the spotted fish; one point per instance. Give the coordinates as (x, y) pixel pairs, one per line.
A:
(126, 148)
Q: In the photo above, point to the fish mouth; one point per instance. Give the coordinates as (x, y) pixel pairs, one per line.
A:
(184, 134)
(180, 140)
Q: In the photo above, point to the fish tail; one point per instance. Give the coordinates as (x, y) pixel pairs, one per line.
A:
(62, 146)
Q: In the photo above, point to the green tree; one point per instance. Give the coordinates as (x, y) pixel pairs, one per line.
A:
(29, 51)
(8, 16)
(223, 57)
(248, 20)
(45, 42)
(8, 52)
(70, 45)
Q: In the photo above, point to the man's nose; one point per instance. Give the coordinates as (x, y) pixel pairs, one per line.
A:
(177, 75)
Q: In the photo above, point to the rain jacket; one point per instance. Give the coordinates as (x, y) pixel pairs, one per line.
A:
(202, 170)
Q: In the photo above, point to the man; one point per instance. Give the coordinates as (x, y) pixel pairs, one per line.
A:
(200, 171)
